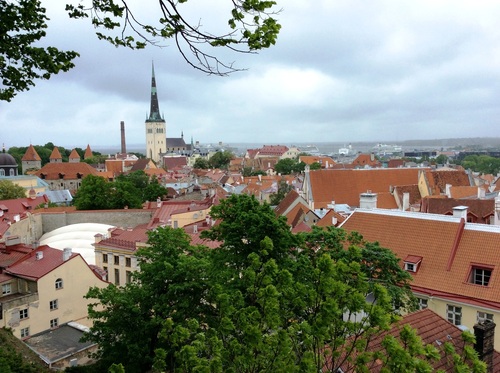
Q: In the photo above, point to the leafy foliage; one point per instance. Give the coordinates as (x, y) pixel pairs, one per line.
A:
(201, 163)
(221, 159)
(251, 26)
(129, 191)
(482, 163)
(289, 166)
(9, 190)
(266, 300)
(22, 25)
(283, 189)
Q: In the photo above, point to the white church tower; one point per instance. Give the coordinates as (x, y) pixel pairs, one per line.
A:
(156, 127)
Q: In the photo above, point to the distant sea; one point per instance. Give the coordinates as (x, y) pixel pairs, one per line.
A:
(333, 147)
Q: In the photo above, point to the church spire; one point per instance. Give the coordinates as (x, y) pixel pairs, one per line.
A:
(154, 114)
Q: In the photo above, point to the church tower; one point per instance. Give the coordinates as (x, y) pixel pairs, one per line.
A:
(156, 128)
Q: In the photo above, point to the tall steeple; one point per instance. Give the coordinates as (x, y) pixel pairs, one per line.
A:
(154, 113)
(156, 127)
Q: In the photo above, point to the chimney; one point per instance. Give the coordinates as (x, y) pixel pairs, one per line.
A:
(481, 193)
(368, 200)
(448, 190)
(496, 219)
(460, 212)
(66, 253)
(485, 343)
(98, 237)
(12, 240)
(122, 131)
(39, 255)
(406, 201)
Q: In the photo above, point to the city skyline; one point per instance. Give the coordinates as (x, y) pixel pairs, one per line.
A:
(340, 72)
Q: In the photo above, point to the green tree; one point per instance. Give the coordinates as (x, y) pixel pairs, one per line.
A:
(266, 300)
(315, 166)
(251, 26)
(283, 189)
(201, 163)
(221, 159)
(9, 190)
(22, 59)
(154, 190)
(124, 194)
(287, 166)
(93, 194)
(441, 159)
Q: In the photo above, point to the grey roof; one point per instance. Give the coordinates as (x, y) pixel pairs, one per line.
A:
(58, 196)
(56, 344)
(175, 142)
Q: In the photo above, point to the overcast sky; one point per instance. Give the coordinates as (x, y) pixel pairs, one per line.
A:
(341, 71)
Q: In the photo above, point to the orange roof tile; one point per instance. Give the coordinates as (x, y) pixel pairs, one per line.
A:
(74, 155)
(56, 154)
(325, 162)
(433, 330)
(88, 153)
(31, 154)
(345, 186)
(70, 171)
(448, 247)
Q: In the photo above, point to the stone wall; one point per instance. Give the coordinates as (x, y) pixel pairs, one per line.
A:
(119, 218)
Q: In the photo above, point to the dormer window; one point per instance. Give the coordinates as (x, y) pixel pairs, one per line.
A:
(480, 275)
(412, 263)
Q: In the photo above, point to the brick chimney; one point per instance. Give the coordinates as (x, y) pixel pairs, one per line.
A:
(122, 131)
(485, 345)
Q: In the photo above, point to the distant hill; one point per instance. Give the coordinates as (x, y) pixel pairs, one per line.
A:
(15, 356)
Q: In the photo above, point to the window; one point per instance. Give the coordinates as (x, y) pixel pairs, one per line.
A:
(59, 283)
(117, 260)
(480, 276)
(23, 314)
(422, 303)
(6, 289)
(410, 267)
(483, 316)
(128, 277)
(53, 305)
(454, 314)
(117, 276)
(25, 332)
(128, 262)
(54, 323)
(104, 258)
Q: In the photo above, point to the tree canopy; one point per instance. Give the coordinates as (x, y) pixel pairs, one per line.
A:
(265, 301)
(131, 191)
(251, 26)
(9, 190)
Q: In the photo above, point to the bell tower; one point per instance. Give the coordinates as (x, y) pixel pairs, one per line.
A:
(156, 127)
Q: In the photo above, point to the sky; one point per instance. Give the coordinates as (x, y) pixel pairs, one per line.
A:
(341, 71)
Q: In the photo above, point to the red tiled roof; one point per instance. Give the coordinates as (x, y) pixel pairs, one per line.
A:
(32, 268)
(437, 179)
(433, 330)
(70, 171)
(74, 155)
(366, 160)
(20, 206)
(481, 208)
(56, 154)
(88, 153)
(173, 162)
(463, 191)
(327, 220)
(273, 150)
(326, 162)
(31, 154)
(447, 246)
(345, 186)
(126, 238)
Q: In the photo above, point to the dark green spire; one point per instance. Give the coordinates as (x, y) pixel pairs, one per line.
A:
(154, 113)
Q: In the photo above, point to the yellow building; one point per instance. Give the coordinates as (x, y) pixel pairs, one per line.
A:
(43, 288)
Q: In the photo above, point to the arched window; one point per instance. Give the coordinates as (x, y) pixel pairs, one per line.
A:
(2, 172)
(59, 283)
(12, 172)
